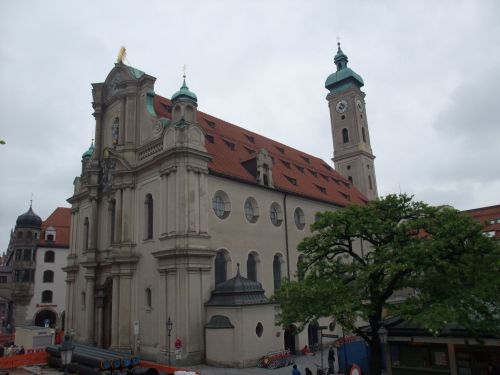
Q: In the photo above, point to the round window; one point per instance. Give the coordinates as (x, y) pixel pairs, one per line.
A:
(275, 214)
(259, 329)
(299, 218)
(221, 205)
(251, 210)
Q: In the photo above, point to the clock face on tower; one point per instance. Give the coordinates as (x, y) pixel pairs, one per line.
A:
(341, 106)
(359, 104)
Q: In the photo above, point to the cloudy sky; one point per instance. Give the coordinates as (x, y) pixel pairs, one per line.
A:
(431, 72)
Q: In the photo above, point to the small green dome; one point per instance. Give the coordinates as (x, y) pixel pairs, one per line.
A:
(184, 92)
(343, 73)
(87, 154)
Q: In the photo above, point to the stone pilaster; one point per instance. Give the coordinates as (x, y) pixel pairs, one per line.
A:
(89, 309)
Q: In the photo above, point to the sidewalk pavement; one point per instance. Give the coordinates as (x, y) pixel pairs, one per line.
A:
(302, 361)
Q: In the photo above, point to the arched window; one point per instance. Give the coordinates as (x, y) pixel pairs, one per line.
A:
(47, 296)
(84, 299)
(370, 181)
(252, 267)
(86, 233)
(149, 216)
(112, 211)
(148, 298)
(350, 179)
(48, 276)
(345, 135)
(363, 134)
(220, 267)
(49, 256)
(277, 262)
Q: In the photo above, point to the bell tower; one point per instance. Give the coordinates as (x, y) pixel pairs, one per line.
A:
(353, 156)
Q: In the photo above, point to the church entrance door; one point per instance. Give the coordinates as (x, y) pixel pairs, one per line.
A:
(312, 335)
(290, 338)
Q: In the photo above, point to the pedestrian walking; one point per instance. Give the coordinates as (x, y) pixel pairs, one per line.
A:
(295, 370)
(331, 360)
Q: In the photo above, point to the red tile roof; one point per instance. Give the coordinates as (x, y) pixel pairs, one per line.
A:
(293, 171)
(60, 220)
(490, 216)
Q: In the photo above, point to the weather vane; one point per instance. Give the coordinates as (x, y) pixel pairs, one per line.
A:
(184, 68)
(338, 40)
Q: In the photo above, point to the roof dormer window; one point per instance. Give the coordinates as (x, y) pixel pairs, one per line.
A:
(50, 234)
(210, 123)
(229, 144)
(285, 163)
(280, 149)
(292, 180)
(250, 138)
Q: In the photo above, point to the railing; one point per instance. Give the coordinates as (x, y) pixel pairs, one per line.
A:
(151, 150)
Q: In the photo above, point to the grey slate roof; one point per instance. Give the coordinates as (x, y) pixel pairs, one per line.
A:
(238, 291)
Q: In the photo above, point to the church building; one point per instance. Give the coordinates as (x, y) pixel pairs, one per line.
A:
(180, 215)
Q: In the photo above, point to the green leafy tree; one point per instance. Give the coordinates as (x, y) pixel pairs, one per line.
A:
(359, 256)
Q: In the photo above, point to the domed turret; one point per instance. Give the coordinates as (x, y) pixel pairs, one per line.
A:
(185, 93)
(343, 75)
(29, 220)
(88, 154)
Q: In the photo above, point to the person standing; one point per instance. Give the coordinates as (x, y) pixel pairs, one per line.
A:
(331, 360)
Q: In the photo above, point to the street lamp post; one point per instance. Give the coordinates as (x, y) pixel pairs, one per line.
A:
(66, 350)
(169, 332)
(383, 336)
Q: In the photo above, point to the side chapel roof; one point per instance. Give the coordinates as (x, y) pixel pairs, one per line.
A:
(238, 291)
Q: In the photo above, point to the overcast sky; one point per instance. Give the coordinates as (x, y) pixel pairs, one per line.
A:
(431, 72)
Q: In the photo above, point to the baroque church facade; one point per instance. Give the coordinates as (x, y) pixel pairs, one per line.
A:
(180, 215)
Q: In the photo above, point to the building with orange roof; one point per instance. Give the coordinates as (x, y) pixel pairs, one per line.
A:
(180, 215)
(32, 279)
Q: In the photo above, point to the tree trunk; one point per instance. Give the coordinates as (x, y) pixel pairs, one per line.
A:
(375, 355)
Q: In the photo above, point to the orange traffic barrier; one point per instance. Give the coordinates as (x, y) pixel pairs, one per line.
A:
(24, 360)
(160, 367)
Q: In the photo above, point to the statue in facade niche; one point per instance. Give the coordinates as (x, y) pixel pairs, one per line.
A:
(115, 129)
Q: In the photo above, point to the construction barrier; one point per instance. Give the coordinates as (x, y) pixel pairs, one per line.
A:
(28, 359)
(160, 367)
(279, 358)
